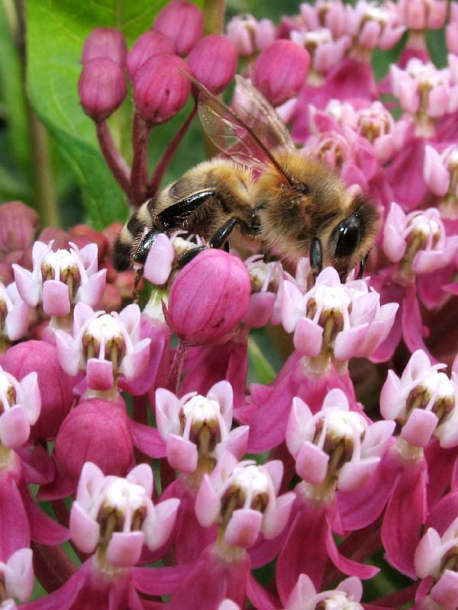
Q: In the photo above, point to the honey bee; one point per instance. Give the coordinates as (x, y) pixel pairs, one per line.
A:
(263, 189)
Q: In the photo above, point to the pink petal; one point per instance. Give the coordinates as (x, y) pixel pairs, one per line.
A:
(14, 427)
(99, 374)
(181, 453)
(56, 300)
(243, 527)
(124, 548)
(308, 337)
(312, 464)
(84, 531)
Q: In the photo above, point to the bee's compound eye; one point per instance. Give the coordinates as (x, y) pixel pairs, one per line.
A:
(347, 235)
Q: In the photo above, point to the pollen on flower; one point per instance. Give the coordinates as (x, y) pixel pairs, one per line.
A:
(105, 339)
(62, 265)
(435, 393)
(124, 497)
(329, 308)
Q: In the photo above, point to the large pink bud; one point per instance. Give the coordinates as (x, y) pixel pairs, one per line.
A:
(209, 297)
(161, 88)
(213, 61)
(101, 88)
(95, 431)
(280, 71)
(105, 43)
(182, 22)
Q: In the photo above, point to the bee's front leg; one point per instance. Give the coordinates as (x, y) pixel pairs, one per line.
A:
(217, 240)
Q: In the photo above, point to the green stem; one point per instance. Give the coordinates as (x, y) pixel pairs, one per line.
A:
(169, 152)
(214, 16)
(42, 175)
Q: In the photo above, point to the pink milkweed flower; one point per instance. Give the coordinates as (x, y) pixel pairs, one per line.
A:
(266, 292)
(104, 345)
(14, 314)
(197, 429)
(434, 557)
(424, 401)
(417, 242)
(335, 447)
(61, 278)
(424, 92)
(325, 51)
(346, 595)
(322, 13)
(251, 492)
(372, 27)
(421, 401)
(113, 518)
(334, 322)
(20, 408)
(17, 577)
(439, 172)
(250, 35)
(422, 14)
(451, 30)
(117, 516)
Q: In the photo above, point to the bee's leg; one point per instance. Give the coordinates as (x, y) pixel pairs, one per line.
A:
(316, 257)
(175, 215)
(217, 240)
(220, 236)
(362, 265)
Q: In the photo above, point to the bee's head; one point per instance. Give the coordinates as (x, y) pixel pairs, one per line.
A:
(349, 242)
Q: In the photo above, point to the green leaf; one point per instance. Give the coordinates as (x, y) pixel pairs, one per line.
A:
(56, 32)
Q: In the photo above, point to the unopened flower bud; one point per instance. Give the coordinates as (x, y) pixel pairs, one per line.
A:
(161, 88)
(56, 387)
(280, 71)
(101, 88)
(209, 297)
(213, 61)
(86, 433)
(182, 22)
(105, 43)
(146, 46)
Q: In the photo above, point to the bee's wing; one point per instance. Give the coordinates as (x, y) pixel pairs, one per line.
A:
(250, 135)
(257, 112)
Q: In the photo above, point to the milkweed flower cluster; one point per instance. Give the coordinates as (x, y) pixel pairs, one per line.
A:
(327, 478)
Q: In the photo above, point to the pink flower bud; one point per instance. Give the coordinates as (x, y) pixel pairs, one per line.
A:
(146, 46)
(209, 297)
(280, 71)
(105, 43)
(101, 88)
(18, 225)
(182, 22)
(96, 431)
(161, 88)
(213, 61)
(56, 387)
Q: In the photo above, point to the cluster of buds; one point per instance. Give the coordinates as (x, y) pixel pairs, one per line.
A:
(157, 68)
